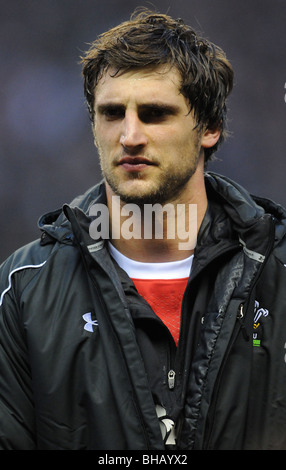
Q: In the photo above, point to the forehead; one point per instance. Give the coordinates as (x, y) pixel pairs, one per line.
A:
(139, 83)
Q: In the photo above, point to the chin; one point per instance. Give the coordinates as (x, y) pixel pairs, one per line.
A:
(137, 198)
(137, 193)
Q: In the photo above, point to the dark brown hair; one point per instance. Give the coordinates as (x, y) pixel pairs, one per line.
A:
(152, 39)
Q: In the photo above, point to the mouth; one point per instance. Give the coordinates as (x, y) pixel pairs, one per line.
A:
(134, 163)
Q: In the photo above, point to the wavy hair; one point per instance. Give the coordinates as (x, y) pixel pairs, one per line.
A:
(152, 39)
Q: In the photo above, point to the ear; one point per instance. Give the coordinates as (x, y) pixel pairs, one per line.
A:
(210, 138)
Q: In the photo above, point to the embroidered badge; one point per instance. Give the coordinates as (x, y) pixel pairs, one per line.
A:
(259, 314)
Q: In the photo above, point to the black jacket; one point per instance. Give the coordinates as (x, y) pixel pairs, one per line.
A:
(83, 358)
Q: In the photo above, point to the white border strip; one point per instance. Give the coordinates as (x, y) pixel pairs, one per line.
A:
(13, 272)
(252, 254)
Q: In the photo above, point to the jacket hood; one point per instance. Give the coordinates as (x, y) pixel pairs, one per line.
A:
(241, 207)
(56, 226)
(246, 205)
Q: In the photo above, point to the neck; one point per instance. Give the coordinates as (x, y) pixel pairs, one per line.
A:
(159, 233)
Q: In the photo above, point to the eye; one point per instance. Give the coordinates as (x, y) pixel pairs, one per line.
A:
(112, 113)
(155, 114)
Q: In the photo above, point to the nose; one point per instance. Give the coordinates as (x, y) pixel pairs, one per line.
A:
(133, 131)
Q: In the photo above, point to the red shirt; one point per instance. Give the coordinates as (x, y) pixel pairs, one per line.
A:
(165, 297)
(162, 285)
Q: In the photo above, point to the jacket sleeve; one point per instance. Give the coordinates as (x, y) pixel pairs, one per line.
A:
(17, 423)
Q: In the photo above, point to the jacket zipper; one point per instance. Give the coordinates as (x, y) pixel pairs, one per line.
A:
(240, 317)
(181, 351)
(180, 360)
(240, 320)
(171, 379)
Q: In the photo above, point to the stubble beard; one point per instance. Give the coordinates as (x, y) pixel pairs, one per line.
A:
(167, 190)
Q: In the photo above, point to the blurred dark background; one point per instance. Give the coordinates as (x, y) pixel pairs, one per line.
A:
(46, 147)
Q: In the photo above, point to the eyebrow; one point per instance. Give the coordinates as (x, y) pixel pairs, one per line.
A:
(167, 108)
(102, 107)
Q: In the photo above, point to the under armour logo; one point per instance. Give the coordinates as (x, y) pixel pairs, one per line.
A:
(89, 322)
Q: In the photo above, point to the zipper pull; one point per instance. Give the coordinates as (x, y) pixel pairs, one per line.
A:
(240, 316)
(171, 379)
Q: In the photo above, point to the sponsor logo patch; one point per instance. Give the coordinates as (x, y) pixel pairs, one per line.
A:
(259, 314)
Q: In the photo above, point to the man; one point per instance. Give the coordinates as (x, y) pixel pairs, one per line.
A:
(113, 337)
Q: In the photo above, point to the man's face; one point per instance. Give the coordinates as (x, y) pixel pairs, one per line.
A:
(145, 135)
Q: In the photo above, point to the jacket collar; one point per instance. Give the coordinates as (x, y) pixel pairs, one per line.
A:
(232, 213)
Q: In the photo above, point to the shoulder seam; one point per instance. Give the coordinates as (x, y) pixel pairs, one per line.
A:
(20, 268)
